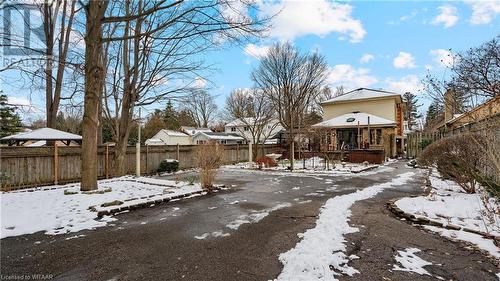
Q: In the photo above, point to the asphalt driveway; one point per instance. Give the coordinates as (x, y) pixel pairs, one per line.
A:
(236, 234)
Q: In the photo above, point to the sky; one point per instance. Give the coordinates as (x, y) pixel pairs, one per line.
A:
(379, 44)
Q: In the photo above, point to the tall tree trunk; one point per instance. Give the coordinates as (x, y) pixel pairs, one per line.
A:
(94, 77)
(124, 126)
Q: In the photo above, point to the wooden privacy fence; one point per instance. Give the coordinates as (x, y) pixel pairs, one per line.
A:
(33, 166)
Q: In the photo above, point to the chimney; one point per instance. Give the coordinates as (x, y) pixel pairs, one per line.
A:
(449, 105)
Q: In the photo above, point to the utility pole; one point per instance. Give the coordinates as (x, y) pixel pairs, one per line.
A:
(138, 149)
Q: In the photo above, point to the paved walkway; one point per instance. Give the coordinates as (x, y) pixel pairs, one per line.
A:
(238, 234)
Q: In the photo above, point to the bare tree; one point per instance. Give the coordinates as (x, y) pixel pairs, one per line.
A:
(58, 19)
(251, 109)
(292, 82)
(185, 25)
(201, 106)
(476, 72)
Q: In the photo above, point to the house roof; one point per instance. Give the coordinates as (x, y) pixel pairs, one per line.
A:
(44, 134)
(350, 120)
(173, 133)
(194, 130)
(362, 94)
(220, 136)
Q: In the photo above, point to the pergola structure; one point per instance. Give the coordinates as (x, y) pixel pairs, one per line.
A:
(42, 135)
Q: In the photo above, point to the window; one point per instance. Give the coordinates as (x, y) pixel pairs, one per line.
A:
(350, 119)
(246, 128)
(223, 142)
(379, 136)
(233, 129)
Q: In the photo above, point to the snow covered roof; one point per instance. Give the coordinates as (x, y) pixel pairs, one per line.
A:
(44, 134)
(361, 94)
(173, 133)
(350, 120)
(194, 130)
(219, 136)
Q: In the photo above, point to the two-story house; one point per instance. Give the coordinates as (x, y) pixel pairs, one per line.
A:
(364, 119)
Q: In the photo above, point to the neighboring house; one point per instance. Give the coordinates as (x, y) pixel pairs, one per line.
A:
(169, 137)
(39, 137)
(194, 130)
(451, 121)
(364, 118)
(242, 127)
(222, 138)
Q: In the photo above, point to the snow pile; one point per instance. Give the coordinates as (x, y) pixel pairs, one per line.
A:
(320, 254)
(66, 209)
(410, 262)
(448, 204)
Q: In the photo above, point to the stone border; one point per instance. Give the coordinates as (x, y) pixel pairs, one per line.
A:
(152, 203)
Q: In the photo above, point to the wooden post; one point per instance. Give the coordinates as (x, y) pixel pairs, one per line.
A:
(178, 154)
(359, 138)
(56, 164)
(237, 153)
(147, 153)
(106, 160)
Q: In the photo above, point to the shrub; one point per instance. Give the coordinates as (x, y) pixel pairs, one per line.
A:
(266, 162)
(169, 166)
(209, 159)
(457, 158)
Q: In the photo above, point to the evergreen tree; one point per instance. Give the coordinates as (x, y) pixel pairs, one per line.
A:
(411, 109)
(432, 112)
(170, 117)
(10, 122)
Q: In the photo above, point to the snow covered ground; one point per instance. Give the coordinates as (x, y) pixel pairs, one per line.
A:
(320, 255)
(65, 209)
(314, 165)
(448, 204)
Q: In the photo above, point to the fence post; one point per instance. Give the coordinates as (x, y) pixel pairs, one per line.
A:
(237, 153)
(178, 155)
(56, 164)
(147, 153)
(106, 160)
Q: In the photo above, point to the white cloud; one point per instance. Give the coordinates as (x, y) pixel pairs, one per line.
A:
(321, 17)
(448, 16)
(404, 60)
(199, 82)
(256, 51)
(350, 77)
(442, 57)
(366, 58)
(22, 104)
(409, 83)
(483, 12)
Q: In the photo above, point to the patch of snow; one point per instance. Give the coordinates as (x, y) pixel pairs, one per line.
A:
(203, 236)
(323, 246)
(76, 236)
(51, 211)
(410, 262)
(255, 216)
(476, 239)
(448, 204)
